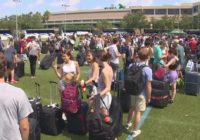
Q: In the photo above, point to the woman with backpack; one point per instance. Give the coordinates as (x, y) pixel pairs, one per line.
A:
(69, 71)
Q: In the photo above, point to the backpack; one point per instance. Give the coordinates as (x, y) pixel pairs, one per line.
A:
(70, 99)
(94, 119)
(134, 81)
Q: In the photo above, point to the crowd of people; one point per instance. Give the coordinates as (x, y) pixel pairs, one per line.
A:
(102, 53)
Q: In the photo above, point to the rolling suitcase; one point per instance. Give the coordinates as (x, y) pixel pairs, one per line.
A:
(117, 115)
(34, 129)
(160, 94)
(192, 83)
(76, 122)
(47, 61)
(51, 121)
(125, 100)
(19, 70)
(36, 104)
(159, 98)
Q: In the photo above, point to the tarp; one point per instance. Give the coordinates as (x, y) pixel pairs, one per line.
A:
(177, 31)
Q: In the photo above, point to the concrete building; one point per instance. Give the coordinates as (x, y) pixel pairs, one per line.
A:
(116, 15)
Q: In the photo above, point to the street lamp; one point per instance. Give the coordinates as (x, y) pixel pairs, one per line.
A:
(65, 6)
(16, 23)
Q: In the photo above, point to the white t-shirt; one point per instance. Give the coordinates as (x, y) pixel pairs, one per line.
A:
(113, 51)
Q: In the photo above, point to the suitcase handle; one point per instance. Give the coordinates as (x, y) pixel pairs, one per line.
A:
(37, 85)
(51, 91)
(53, 82)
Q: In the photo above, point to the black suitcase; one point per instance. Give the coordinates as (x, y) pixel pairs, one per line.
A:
(47, 61)
(160, 85)
(36, 104)
(160, 94)
(117, 115)
(125, 100)
(192, 83)
(34, 129)
(19, 70)
(159, 98)
(76, 122)
(51, 121)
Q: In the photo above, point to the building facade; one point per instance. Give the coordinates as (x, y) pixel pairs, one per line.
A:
(115, 16)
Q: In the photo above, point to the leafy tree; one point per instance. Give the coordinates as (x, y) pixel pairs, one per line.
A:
(45, 16)
(103, 24)
(121, 6)
(196, 21)
(135, 20)
(186, 22)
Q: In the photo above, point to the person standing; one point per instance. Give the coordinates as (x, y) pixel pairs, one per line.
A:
(104, 81)
(93, 75)
(114, 53)
(69, 71)
(11, 57)
(34, 55)
(138, 102)
(15, 108)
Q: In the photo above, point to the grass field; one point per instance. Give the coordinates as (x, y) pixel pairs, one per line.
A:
(179, 121)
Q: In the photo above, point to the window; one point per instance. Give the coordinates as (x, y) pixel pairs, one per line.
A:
(149, 11)
(186, 11)
(195, 9)
(173, 11)
(160, 11)
(136, 10)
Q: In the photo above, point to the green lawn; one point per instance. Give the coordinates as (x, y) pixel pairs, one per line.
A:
(179, 121)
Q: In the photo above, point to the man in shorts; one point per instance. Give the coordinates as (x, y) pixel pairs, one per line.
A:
(138, 102)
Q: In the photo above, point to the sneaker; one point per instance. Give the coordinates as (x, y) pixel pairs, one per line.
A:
(135, 133)
(128, 125)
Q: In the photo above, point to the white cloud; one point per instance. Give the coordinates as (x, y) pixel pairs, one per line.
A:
(128, 3)
(39, 2)
(55, 4)
(72, 4)
(98, 7)
(10, 4)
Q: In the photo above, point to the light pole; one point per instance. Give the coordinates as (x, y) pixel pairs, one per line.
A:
(65, 6)
(16, 23)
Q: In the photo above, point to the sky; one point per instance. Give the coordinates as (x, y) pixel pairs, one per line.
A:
(12, 7)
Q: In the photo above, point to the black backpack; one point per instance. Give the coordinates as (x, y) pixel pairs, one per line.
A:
(134, 81)
(94, 119)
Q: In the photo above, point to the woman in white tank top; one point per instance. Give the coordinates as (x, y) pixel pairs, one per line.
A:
(69, 72)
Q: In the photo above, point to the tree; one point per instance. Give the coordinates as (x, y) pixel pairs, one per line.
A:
(186, 22)
(196, 21)
(45, 16)
(135, 20)
(121, 6)
(103, 24)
